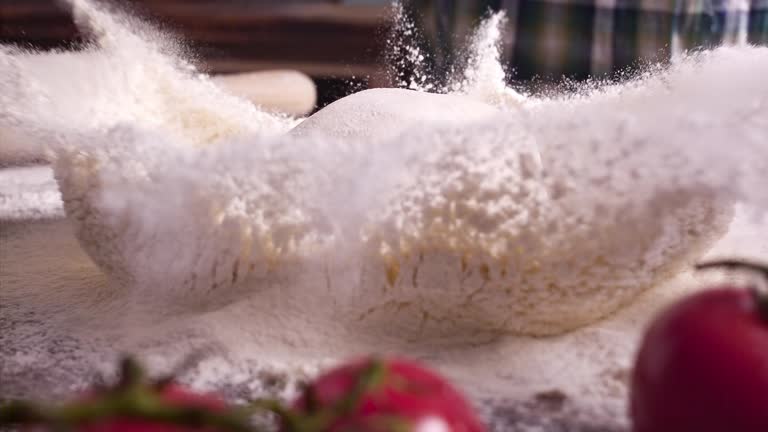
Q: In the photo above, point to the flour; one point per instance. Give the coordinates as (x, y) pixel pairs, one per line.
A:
(406, 60)
(448, 226)
(442, 211)
(484, 78)
(496, 238)
(29, 193)
(477, 73)
(129, 74)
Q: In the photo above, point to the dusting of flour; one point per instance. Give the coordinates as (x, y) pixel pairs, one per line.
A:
(129, 73)
(450, 225)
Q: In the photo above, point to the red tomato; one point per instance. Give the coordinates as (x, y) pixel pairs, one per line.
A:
(703, 366)
(405, 397)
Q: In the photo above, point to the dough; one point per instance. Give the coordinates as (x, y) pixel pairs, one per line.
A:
(379, 114)
(429, 229)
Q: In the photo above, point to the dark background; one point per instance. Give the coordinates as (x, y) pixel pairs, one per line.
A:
(339, 44)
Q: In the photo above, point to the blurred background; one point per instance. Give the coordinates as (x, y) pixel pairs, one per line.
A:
(337, 43)
(342, 45)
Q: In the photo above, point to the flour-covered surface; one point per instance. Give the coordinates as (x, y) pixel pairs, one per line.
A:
(62, 324)
(29, 193)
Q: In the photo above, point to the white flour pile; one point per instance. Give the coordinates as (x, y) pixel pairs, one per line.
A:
(393, 219)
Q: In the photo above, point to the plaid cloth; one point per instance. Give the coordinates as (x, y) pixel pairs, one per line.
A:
(551, 39)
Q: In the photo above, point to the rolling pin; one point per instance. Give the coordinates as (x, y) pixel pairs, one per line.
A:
(286, 91)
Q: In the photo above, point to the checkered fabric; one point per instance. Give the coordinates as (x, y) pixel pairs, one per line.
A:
(551, 39)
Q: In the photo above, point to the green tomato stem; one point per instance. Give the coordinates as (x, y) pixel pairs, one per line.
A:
(760, 296)
(136, 398)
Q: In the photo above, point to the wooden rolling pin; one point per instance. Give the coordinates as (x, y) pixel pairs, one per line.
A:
(286, 91)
